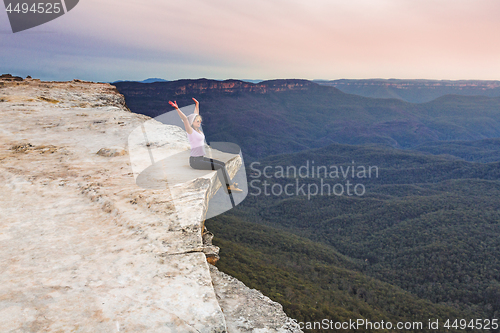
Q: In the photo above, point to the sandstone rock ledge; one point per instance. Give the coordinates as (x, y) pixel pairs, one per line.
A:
(82, 247)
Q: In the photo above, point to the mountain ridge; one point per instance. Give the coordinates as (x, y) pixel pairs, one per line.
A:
(292, 115)
(414, 90)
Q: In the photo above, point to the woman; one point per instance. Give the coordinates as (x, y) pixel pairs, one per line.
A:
(197, 160)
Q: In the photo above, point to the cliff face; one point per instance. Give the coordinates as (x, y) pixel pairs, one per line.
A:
(83, 247)
(202, 86)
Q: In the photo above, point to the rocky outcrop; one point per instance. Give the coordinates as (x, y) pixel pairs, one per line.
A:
(9, 77)
(83, 247)
(248, 310)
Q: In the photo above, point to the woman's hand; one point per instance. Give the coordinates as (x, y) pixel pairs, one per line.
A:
(197, 107)
(174, 104)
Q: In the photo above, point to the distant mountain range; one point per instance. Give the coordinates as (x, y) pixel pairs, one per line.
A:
(150, 80)
(415, 91)
(283, 116)
(155, 79)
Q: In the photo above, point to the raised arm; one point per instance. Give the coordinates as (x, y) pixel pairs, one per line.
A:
(197, 107)
(185, 120)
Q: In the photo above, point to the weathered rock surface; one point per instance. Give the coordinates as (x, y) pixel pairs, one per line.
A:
(248, 310)
(83, 248)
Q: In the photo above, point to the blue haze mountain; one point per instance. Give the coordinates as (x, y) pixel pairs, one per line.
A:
(284, 116)
(414, 91)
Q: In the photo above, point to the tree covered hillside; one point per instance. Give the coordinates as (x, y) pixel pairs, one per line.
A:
(427, 225)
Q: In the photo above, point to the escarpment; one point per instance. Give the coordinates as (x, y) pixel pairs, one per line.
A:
(199, 87)
(84, 247)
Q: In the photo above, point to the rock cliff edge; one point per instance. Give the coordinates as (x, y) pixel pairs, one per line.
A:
(83, 248)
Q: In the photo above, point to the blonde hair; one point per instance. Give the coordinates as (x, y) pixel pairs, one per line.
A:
(195, 118)
(192, 118)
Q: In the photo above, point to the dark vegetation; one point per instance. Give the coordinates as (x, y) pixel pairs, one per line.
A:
(487, 150)
(429, 225)
(422, 243)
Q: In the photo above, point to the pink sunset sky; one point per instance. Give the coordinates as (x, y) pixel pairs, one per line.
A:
(242, 39)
